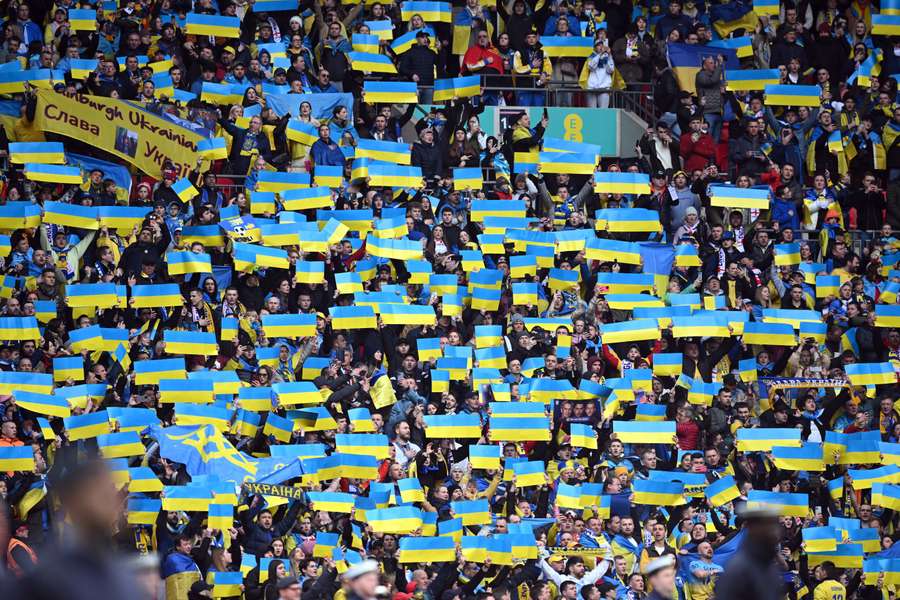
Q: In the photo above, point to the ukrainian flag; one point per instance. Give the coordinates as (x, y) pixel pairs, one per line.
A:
(307, 198)
(289, 325)
(743, 45)
(699, 326)
(68, 367)
(890, 453)
(761, 439)
(467, 178)
(722, 491)
(278, 427)
(368, 444)
(328, 176)
(188, 262)
(149, 372)
(401, 249)
(787, 505)
(572, 46)
(17, 458)
(727, 18)
(819, 539)
(427, 549)
(807, 457)
(491, 243)
(886, 24)
(71, 215)
(769, 334)
(845, 556)
(863, 479)
(19, 329)
(82, 19)
(452, 426)
(493, 357)
(727, 196)
(400, 519)
(336, 502)
(276, 181)
(37, 152)
(143, 480)
(208, 235)
(123, 218)
(827, 285)
(686, 256)
(247, 423)
(886, 495)
(411, 490)
(529, 473)
(751, 79)
(143, 511)
(887, 315)
(747, 370)
(431, 12)
(121, 444)
(480, 209)
(660, 493)
(86, 426)
(155, 295)
(630, 331)
(216, 93)
(506, 429)
(353, 317)
(190, 342)
(521, 410)
(567, 162)
(391, 92)
(583, 436)
(13, 81)
(644, 432)
(184, 190)
(133, 419)
(787, 254)
(606, 250)
(302, 133)
(767, 8)
(871, 374)
(407, 314)
(652, 412)
(868, 537)
(212, 148)
(365, 43)
(19, 215)
(472, 512)
(568, 496)
(793, 95)
(482, 456)
(371, 63)
(202, 24)
(81, 68)
(392, 152)
(627, 220)
(186, 390)
(457, 87)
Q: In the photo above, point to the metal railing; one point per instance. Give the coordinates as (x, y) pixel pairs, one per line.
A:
(637, 98)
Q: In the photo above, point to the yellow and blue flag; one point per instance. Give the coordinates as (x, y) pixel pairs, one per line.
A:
(763, 439)
(727, 196)
(751, 79)
(49, 153)
(659, 493)
(214, 25)
(456, 87)
(390, 92)
(793, 95)
(787, 504)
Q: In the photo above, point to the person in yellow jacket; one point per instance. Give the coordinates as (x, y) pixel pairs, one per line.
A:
(532, 71)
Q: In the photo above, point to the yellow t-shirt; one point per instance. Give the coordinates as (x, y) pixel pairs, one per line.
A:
(830, 590)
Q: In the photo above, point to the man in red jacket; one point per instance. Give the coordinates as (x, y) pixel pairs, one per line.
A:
(697, 146)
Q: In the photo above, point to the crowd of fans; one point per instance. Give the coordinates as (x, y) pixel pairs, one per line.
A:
(556, 346)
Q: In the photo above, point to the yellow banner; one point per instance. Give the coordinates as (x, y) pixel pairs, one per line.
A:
(131, 133)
